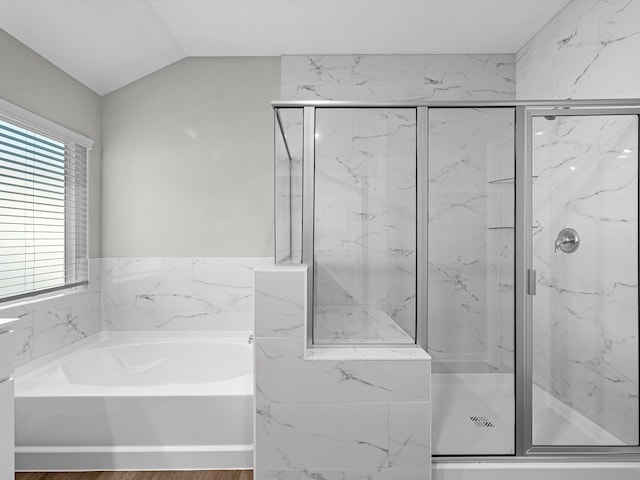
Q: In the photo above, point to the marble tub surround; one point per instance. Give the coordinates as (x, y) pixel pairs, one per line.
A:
(398, 77)
(182, 293)
(586, 51)
(333, 412)
(7, 362)
(365, 226)
(56, 320)
(586, 308)
(470, 237)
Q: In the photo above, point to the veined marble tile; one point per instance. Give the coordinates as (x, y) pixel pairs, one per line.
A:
(398, 77)
(600, 199)
(180, 293)
(279, 304)
(460, 166)
(365, 179)
(281, 369)
(471, 220)
(228, 286)
(128, 311)
(409, 434)
(187, 312)
(384, 381)
(23, 334)
(317, 436)
(48, 324)
(214, 275)
(315, 78)
(356, 324)
(64, 324)
(585, 311)
(583, 52)
(147, 276)
(342, 474)
(586, 339)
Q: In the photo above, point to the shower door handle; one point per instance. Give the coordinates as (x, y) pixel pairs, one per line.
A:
(531, 283)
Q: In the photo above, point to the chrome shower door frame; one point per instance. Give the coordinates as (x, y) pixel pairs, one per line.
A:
(525, 111)
(524, 299)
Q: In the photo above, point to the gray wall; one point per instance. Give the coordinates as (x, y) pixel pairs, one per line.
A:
(33, 83)
(188, 160)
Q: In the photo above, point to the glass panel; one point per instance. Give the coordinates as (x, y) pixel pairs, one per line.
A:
(585, 312)
(471, 208)
(365, 226)
(288, 187)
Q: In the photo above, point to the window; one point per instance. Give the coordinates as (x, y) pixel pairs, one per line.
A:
(43, 205)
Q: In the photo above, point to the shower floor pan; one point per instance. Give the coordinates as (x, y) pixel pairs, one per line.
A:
(474, 414)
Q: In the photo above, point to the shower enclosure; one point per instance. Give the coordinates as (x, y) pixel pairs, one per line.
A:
(502, 237)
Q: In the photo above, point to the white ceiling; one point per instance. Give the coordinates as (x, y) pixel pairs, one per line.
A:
(106, 44)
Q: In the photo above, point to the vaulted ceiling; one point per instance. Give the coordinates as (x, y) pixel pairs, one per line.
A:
(106, 44)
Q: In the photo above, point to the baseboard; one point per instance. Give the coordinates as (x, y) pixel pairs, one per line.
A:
(228, 457)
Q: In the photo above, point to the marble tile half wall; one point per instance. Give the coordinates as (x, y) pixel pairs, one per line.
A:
(182, 293)
(50, 324)
(333, 413)
(200, 293)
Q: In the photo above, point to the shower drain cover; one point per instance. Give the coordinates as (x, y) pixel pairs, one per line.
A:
(482, 422)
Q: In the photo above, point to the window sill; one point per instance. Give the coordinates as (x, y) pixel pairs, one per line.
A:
(43, 297)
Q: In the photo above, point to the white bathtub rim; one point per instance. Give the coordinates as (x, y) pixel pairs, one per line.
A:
(39, 364)
(28, 385)
(239, 386)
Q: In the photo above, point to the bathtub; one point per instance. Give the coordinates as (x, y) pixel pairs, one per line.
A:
(138, 401)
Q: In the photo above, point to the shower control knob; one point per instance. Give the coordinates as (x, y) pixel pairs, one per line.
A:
(568, 240)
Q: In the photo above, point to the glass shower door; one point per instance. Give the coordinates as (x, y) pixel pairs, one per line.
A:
(585, 261)
(470, 291)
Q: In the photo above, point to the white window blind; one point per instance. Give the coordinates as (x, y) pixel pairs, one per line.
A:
(43, 210)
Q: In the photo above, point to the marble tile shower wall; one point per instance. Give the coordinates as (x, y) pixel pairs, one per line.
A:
(471, 237)
(365, 225)
(586, 308)
(204, 293)
(48, 325)
(587, 51)
(398, 77)
(431, 77)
